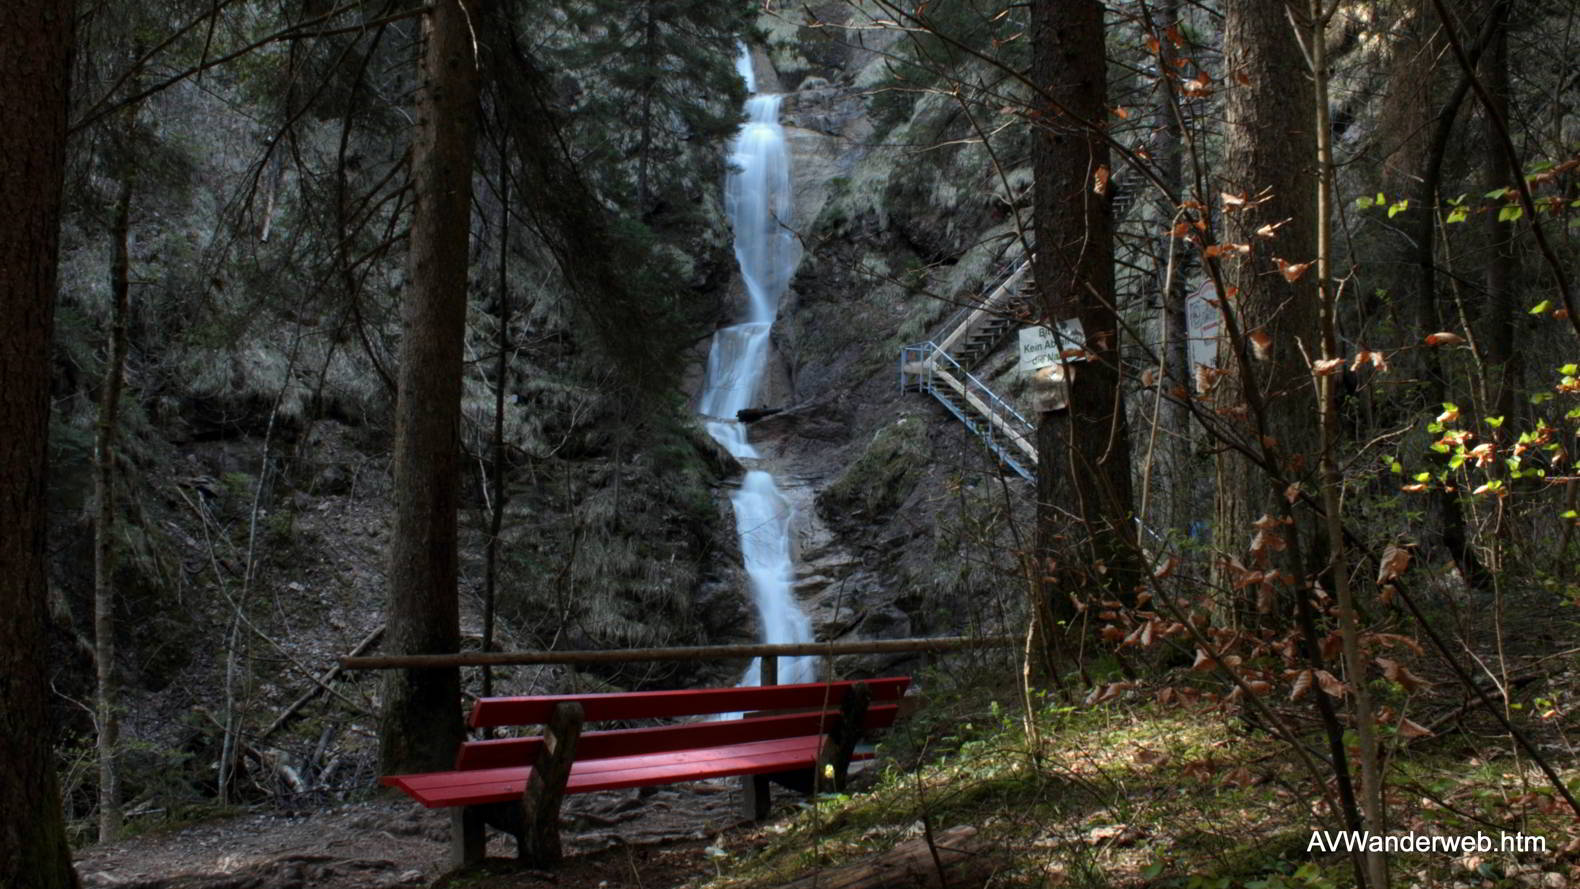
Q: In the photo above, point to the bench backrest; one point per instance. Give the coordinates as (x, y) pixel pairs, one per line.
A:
(489, 712)
(822, 700)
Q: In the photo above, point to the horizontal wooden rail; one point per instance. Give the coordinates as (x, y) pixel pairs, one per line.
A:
(689, 653)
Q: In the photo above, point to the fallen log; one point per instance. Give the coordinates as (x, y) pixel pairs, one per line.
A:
(957, 859)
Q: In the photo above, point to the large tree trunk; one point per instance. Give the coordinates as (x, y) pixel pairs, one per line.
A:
(1270, 146)
(35, 56)
(1074, 271)
(421, 724)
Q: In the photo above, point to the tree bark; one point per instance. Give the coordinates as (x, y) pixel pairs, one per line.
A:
(1074, 272)
(1270, 146)
(421, 721)
(35, 63)
(1502, 272)
(104, 525)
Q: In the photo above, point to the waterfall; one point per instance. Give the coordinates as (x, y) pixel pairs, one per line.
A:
(757, 201)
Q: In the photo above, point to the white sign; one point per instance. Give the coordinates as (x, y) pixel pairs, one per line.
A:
(1041, 347)
(1202, 320)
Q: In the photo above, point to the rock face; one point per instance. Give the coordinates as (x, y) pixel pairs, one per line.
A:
(904, 527)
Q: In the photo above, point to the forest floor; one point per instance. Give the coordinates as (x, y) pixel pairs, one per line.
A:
(657, 838)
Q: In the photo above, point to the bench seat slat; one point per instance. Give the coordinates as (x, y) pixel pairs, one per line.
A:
(686, 702)
(437, 789)
(505, 752)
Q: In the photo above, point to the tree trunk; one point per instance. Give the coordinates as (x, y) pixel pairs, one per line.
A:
(1177, 486)
(421, 721)
(1074, 271)
(1497, 320)
(104, 526)
(35, 58)
(1267, 402)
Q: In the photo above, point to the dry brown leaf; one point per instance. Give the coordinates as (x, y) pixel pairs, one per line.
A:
(1261, 343)
(1324, 367)
(1292, 271)
(1232, 202)
(1411, 729)
(1203, 663)
(1301, 686)
(1100, 180)
(1167, 568)
(1449, 416)
(1292, 493)
(1395, 561)
(1330, 684)
(1270, 230)
(1444, 338)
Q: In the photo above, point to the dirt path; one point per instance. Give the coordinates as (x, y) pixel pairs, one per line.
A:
(653, 839)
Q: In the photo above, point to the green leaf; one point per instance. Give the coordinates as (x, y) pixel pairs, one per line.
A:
(1495, 422)
(1569, 514)
(1381, 199)
(1495, 194)
(1398, 207)
(1574, 414)
(1456, 461)
(1569, 370)
(1458, 214)
(1511, 213)
(1539, 308)
(1423, 476)
(1541, 397)
(1364, 203)
(1396, 467)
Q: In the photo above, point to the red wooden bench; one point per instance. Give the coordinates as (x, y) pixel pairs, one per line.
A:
(516, 784)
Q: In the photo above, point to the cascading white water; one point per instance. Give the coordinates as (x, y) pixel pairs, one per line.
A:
(757, 200)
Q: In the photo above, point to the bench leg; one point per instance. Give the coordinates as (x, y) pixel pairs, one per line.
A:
(467, 840)
(754, 796)
(839, 745)
(539, 843)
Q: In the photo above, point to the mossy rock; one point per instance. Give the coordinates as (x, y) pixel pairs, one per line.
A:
(882, 478)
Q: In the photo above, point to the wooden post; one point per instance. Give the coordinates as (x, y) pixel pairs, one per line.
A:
(839, 745)
(538, 844)
(468, 843)
(755, 793)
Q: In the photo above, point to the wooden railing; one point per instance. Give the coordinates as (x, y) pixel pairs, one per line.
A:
(686, 653)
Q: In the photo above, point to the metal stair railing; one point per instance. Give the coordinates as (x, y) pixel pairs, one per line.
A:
(968, 318)
(926, 367)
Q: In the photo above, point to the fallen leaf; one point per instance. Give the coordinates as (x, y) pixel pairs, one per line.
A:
(1411, 729)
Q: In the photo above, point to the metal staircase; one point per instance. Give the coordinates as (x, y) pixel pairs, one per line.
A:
(942, 368)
